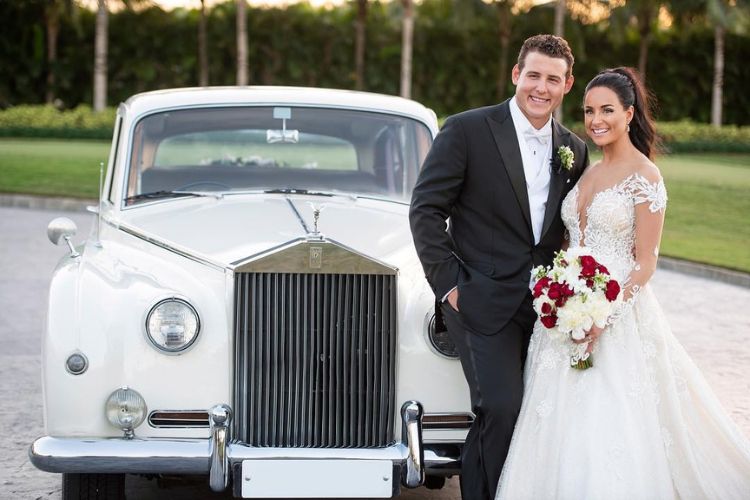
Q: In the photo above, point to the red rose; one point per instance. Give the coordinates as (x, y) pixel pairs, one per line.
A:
(588, 266)
(566, 291)
(602, 269)
(554, 291)
(540, 285)
(546, 308)
(549, 321)
(560, 301)
(612, 291)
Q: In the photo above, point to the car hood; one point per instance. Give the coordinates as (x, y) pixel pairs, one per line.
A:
(232, 228)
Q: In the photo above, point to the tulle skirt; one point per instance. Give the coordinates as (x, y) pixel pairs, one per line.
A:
(642, 423)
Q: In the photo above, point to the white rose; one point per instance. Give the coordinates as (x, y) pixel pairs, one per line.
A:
(574, 318)
(599, 308)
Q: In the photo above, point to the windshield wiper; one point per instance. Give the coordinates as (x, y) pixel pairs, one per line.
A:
(155, 195)
(296, 191)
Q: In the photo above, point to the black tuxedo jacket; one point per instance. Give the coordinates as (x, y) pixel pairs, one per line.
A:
(473, 175)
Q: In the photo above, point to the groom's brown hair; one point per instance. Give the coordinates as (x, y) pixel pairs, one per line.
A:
(549, 45)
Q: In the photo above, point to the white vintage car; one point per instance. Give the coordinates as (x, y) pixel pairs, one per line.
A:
(249, 305)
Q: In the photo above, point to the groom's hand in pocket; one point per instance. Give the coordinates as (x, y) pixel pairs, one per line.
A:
(452, 299)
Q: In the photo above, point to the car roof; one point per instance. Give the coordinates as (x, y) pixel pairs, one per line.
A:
(149, 102)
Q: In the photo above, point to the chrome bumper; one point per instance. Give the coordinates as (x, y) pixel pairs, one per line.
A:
(216, 456)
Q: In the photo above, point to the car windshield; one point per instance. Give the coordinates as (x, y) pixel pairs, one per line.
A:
(275, 148)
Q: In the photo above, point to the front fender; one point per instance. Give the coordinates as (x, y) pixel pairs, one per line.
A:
(98, 305)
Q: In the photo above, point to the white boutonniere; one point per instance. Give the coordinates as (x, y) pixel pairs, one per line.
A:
(563, 159)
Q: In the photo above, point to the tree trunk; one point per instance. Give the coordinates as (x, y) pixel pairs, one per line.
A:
(504, 20)
(53, 28)
(559, 31)
(560, 18)
(241, 42)
(718, 87)
(406, 48)
(643, 56)
(202, 49)
(100, 57)
(359, 45)
(645, 18)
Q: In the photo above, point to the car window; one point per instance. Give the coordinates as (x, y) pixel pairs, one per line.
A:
(250, 147)
(276, 147)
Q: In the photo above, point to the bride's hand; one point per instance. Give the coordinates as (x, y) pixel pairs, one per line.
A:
(592, 335)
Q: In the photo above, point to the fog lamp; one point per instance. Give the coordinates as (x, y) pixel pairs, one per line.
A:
(126, 409)
(172, 325)
(76, 363)
(440, 341)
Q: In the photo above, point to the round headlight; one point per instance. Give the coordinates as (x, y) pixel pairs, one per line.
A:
(440, 341)
(172, 325)
(126, 409)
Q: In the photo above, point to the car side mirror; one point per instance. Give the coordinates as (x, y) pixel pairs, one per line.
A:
(61, 229)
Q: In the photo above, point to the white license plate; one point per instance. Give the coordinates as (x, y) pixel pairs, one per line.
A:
(317, 478)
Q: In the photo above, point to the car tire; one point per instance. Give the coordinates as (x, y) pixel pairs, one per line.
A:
(434, 482)
(93, 487)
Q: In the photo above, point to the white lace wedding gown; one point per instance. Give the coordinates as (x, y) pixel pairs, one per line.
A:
(642, 423)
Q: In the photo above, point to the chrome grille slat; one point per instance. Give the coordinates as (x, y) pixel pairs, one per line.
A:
(315, 359)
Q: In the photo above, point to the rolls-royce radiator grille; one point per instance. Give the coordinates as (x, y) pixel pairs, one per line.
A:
(315, 359)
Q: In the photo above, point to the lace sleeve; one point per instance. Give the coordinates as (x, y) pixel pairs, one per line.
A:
(649, 197)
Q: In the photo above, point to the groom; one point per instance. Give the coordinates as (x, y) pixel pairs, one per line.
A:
(499, 175)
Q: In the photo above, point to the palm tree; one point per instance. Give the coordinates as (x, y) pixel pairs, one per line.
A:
(241, 42)
(100, 51)
(645, 13)
(725, 16)
(100, 56)
(359, 45)
(505, 23)
(202, 49)
(560, 18)
(53, 12)
(559, 30)
(407, 41)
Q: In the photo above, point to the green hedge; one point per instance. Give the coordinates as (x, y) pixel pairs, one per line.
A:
(47, 121)
(83, 123)
(691, 137)
(456, 53)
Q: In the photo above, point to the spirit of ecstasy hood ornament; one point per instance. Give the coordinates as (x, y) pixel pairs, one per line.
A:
(316, 216)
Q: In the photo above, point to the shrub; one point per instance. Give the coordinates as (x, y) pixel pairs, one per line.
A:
(691, 137)
(47, 121)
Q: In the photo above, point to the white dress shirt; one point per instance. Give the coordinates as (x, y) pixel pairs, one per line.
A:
(536, 153)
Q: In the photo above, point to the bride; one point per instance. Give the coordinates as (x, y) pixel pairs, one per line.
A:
(642, 423)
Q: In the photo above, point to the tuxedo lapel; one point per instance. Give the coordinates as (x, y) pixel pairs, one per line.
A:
(504, 133)
(557, 179)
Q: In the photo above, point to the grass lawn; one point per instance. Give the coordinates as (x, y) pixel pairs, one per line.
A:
(708, 215)
(51, 167)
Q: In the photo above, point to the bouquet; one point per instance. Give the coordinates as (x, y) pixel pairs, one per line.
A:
(571, 296)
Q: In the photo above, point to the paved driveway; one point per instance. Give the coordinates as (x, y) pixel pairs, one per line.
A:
(711, 320)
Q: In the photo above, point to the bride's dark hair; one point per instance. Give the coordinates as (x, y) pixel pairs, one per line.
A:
(631, 92)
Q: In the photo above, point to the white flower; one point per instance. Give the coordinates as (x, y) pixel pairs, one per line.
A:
(566, 157)
(571, 275)
(574, 318)
(599, 308)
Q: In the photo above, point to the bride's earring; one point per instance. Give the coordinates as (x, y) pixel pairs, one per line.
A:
(628, 127)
